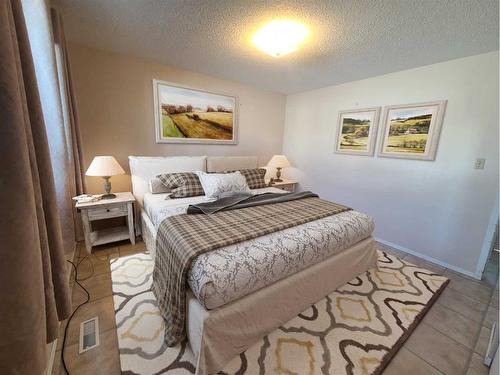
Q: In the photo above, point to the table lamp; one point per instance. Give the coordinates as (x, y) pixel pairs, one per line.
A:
(278, 162)
(105, 167)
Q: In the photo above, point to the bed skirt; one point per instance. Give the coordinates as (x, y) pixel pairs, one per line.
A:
(218, 335)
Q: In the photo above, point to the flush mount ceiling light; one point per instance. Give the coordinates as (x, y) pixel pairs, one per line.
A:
(280, 37)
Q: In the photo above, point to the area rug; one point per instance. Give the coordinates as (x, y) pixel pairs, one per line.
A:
(355, 330)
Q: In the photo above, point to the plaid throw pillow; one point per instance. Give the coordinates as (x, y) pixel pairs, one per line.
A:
(255, 177)
(182, 185)
(156, 186)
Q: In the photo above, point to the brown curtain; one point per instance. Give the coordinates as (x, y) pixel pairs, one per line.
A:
(33, 271)
(72, 128)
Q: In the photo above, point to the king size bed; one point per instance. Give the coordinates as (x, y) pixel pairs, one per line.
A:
(237, 293)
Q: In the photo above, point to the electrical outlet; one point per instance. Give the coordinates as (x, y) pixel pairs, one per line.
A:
(479, 164)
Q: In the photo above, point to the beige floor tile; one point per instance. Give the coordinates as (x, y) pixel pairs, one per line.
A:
(110, 250)
(438, 350)
(103, 359)
(98, 286)
(482, 341)
(97, 263)
(494, 300)
(425, 264)
(400, 254)
(102, 308)
(476, 366)
(129, 249)
(407, 363)
(466, 306)
(452, 324)
(470, 287)
(491, 317)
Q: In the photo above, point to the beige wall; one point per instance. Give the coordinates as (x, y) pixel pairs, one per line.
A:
(115, 103)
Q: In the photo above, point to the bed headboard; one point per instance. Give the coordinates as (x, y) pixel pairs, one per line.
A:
(144, 168)
(230, 163)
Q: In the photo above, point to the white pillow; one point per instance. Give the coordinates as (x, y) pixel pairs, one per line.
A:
(214, 184)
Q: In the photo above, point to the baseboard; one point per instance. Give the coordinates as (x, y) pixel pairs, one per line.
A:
(429, 259)
(52, 355)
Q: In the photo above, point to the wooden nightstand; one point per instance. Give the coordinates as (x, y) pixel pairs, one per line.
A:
(121, 206)
(288, 185)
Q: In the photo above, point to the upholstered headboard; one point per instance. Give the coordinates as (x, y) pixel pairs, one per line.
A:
(144, 168)
(230, 163)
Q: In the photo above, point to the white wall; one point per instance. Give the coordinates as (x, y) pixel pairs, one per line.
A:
(439, 209)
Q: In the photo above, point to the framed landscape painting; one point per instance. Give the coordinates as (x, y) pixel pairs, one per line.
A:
(412, 131)
(188, 115)
(357, 131)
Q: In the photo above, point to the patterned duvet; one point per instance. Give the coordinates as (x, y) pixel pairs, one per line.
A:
(231, 272)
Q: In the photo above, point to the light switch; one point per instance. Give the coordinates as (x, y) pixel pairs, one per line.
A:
(479, 164)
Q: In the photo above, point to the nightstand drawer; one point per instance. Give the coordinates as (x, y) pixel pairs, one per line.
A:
(107, 212)
(288, 187)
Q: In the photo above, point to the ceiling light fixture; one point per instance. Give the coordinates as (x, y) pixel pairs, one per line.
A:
(280, 37)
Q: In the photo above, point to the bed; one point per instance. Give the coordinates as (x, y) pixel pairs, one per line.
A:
(229, 307)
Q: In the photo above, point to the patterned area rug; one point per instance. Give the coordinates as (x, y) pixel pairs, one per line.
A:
(355, 330)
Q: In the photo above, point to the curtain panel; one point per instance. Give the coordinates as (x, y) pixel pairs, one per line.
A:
(33, 271)
(76, 178)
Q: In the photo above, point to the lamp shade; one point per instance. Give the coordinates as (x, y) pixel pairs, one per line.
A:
(104, 166)
(278, 161)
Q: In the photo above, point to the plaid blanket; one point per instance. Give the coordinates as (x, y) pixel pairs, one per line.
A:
(182, 238)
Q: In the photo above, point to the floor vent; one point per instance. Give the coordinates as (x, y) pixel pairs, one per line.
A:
(89, 334)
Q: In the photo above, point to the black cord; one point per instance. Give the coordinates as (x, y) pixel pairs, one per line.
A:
(91, 266)
(75, 267)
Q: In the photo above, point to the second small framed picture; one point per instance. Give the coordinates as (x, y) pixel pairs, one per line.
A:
(357, 131)
(412, 131)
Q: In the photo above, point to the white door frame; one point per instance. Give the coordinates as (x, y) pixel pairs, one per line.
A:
(487, 242)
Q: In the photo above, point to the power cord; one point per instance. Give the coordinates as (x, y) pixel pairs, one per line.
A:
(77, 280)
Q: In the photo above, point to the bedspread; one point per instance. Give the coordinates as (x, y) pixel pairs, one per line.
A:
(182, 238)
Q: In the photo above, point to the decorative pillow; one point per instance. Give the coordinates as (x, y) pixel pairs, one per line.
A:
(254, 177)
(214, 184)
(182, 185)
(156, 186)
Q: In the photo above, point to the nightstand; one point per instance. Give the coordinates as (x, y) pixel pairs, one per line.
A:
(288, 185)
(121, 206)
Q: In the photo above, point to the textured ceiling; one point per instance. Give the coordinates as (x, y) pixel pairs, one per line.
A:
(350, 39)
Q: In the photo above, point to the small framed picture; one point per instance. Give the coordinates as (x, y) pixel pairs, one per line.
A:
(357, 131)
(411, 131)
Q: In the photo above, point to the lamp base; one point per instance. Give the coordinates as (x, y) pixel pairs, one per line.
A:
(107, 189)
(278, 175)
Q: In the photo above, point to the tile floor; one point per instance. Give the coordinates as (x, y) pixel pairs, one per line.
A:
(451, 339)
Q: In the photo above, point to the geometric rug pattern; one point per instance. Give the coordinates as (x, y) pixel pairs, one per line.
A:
(357, 329)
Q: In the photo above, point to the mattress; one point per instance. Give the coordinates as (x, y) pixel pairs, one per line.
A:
(226, 274)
